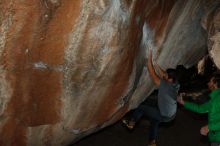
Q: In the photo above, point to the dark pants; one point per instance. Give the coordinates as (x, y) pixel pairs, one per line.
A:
(154, 116)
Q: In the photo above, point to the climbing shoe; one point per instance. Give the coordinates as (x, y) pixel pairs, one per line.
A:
(128, 123)
(152, 143)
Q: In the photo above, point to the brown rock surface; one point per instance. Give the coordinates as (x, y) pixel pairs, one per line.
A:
(69, 68)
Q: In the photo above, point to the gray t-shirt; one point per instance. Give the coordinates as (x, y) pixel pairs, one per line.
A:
(167, 95)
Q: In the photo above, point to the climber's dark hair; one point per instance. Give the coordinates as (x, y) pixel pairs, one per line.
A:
(172, 74)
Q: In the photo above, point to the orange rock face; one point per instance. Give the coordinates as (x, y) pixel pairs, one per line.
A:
(69, 68)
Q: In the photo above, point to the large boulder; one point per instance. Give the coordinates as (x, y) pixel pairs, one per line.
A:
(69, 68)
(211, 22)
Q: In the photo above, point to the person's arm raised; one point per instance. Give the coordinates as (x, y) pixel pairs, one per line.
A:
(152, 72)
(162, 73)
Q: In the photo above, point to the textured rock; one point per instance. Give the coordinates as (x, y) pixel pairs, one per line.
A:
(211, 23)
(70, 68)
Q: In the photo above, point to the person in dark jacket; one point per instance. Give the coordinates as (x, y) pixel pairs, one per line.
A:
(166, 107)
(212, 107)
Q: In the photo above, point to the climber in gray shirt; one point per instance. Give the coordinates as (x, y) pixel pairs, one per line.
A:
(165, 110)
(167, 98)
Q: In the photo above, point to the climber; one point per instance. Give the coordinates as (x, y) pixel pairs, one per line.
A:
(212, 107)
(165, 109)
